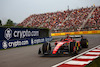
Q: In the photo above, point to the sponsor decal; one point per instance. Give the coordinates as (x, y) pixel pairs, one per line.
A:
(4, 44)
(23, 42)
(26, 33)
(36, 41)
(8, 33)
(32, 42)
(20, 34)
(48, 39)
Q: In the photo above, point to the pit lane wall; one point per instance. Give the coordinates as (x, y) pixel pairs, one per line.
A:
(76, 33)
(17, 37)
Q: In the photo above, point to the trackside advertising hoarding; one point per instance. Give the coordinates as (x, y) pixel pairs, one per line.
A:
(18, 33)
(15, 37)
(23, 42)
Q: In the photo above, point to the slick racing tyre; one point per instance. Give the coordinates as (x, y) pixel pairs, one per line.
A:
(75, 51)
(72, 44)
(84, 43)
(73, 48)
(46, 48)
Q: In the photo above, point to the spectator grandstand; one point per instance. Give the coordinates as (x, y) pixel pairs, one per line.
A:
(93, 22)
(68, 20)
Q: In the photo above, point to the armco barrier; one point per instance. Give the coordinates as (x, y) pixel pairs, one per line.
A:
(76, 33)
(4, 44)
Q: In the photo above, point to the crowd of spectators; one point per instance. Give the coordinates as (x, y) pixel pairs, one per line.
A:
(46, 20)
(76, 19)
(93, 22)
(68, 20)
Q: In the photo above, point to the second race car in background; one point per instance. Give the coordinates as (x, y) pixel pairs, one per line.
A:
(68, 45)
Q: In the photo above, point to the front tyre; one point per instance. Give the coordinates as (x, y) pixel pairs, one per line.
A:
(46, 48)
(73, 48)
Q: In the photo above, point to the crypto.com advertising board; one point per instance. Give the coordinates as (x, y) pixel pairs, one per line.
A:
(18, 33)
(15, 37)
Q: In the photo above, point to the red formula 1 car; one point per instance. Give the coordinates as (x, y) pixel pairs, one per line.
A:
(65, 46)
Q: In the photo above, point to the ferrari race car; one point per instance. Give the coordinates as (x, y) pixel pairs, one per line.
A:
(65, 46)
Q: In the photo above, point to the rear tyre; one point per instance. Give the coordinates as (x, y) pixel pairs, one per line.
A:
(84, 43)
(46, 48)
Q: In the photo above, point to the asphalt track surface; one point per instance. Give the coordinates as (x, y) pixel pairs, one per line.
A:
(28, 56)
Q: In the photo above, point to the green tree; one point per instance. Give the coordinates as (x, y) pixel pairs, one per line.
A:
(9, 23)
(0, 23)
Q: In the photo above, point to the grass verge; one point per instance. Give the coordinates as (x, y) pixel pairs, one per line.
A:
(94, 63)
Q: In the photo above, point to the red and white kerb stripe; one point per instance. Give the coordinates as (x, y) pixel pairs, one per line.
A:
(82, 59)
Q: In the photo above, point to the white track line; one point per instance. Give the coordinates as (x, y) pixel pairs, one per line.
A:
(93, 53)
(87, 57)
(96, 50)
(72, 62)
(75, 56)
